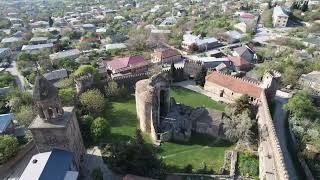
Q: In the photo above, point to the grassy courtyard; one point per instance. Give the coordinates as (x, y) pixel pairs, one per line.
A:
(190, 98)
(201, 149)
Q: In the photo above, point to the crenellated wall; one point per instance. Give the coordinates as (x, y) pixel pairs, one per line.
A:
(265, 117)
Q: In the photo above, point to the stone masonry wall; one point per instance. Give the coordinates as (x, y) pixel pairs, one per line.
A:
(264, 114)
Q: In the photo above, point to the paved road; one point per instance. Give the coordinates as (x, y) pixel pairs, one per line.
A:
(18, 77)
(93, 159)
(280, 118)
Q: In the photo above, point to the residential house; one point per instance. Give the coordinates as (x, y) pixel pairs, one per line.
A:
(39, 24)
(240, 64)
(54, 165)
(250, 20)
(231, 88)
(232, 37)
(116, 46)
(311, 80)
(132, 64)
(38, 40)
(56, 76)
(202, 43)
(6, 124)
(279, 17)
(5, 54)
(165, 56)
(169, 21)
(245, 53)
(242, 27)
(14, 43)
(89, 27)
(36, 48)
(68, 54)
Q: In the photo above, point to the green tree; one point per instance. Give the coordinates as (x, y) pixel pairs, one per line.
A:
(68, 64)
(93, 101)
(135, 157)
(112, 89)
(25, 115)
(97, 174)
(8, 147)
(200, 78)
(300, 105)
(100, 130)
(248, 165)
(50, 21)
(67, 96)
(87, 69)
(6, 79)
(85, 126)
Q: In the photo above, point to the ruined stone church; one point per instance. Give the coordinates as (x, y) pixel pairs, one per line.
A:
(55, 126)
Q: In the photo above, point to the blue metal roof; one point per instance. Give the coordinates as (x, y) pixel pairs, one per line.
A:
(5, 120)
(57, 165)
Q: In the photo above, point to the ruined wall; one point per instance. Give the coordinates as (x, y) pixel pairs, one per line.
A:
(129, 81)
(265, 116)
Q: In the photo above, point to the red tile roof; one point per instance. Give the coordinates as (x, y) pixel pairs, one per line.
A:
(235, 84)
(247, 16)
(167, 53)
(126, 62)
(238, 61)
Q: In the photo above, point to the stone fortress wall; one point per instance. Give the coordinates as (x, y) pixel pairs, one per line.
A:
(265, 116)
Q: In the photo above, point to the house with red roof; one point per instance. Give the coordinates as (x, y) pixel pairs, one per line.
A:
(164, 56)
(240, 64)
(231, 88)
(125, 65)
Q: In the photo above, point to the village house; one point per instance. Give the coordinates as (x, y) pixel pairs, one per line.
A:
(68, 54)
(6, 124)
(14, 43)
(116, 46)
(131, 64)
(245, 53)
(231, 88)
(232, 36)
(89, 27)
(279, 17)
(55, 76)
(250, 20)
(311, 80)
(55, 164)
(39, 24)
(240, 64)
(5, 54)
(165, 56)
(38, 40)
(36, 48)
(202, 43)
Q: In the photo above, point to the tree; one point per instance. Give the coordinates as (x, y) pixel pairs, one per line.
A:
(68, 64)
(93, 101)
(85, 126)
(50, 21)
(8, 147)
(87, 69)
(200, 78)
(97, 174)
(67, 96)
(238, 126)
(25, 115)
(100, 130)
(300, 106)
(112, 89)
(134, 157)
(242, 104)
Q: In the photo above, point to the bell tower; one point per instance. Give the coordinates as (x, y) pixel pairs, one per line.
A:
(55, 126)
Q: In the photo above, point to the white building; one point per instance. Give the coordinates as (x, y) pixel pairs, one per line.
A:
(279, 17)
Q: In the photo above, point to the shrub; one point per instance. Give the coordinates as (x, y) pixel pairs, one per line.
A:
(93, 101)
(248, 165)
(100, 130)
(87, 69)
(6, 79)
(8, 147)
(67, 96)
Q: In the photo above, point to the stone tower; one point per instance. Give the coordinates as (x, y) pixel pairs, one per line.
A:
(83, 83)
(152, 103)
(55, 126)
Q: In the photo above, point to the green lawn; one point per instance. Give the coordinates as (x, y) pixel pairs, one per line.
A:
(123, 120)
(193, 99)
